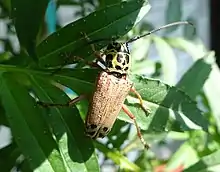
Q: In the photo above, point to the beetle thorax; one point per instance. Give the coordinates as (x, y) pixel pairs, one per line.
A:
(117, 58)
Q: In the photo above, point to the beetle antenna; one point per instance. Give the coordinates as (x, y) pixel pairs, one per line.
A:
(160, 28)
(99, 40)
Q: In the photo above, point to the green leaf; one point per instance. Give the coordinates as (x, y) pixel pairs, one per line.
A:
(6, 5)
(184, 156)
(197, 74)
(211, 87)
(117, 157)
(3, 119)
(167, 104)
(173, 13)
(197, 50)
(190, 32)
(104, 3)
(80, 81)
(161, 98)
(21, 59)
(143, 162)
(28, 126)
(140, 49)
(8, 157)
(115, 20)
(67, 126)
(28, 16)
(23, 166)
(76, 150)
(168, 60)
(5, 56)
(207, 163)
(117, 137)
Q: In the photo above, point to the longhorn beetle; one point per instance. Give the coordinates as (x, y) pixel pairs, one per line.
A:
(112, 88)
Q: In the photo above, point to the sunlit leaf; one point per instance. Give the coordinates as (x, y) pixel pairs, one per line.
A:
(208, 163)
(197, 74)
(168, 60)
(184, 156)
(118, 158)
(166, 103)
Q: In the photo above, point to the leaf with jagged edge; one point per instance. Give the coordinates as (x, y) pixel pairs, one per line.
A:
(163, 100)
(197, 74)
(167, 104)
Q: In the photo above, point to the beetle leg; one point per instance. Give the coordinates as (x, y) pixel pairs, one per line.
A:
(128, 112)
(71, 58)
(98, 54)
(146, 110)
(68, 104)
(77, 59)
(89, 63)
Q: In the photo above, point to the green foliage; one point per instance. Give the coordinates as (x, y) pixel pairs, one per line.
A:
(175, 15)
(53, 139)
(27, 29)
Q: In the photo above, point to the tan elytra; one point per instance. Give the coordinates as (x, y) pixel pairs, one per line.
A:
(106, 104)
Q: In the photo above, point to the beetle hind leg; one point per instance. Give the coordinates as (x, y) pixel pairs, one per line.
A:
(68, 104)
(128, 112)
(145, 109)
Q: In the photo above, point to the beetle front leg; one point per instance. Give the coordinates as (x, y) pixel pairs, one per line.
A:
(98, 54)
(71, 58)
(89, 63)
(128, 112)
(68, 104)
(146, 110)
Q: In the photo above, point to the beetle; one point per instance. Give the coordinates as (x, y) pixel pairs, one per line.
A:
(111, 89)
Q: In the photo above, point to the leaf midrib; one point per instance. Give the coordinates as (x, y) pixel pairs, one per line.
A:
(60, 115)
(11, 68)
(33, 136)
